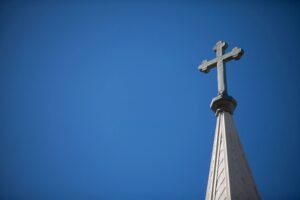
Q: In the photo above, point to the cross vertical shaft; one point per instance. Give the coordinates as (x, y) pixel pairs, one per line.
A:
(221, 68)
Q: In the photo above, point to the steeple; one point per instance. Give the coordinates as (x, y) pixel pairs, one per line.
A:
(229, 175)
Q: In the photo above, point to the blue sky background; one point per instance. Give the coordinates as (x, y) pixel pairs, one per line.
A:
(103, 100)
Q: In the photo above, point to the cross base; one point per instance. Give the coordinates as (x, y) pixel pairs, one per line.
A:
(223, 102)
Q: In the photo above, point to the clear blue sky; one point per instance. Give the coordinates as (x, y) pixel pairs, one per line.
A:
(103, 100)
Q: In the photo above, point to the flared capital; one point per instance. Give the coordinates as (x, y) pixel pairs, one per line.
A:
(223, 102)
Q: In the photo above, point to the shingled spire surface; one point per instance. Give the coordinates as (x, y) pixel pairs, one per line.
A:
(230, 177)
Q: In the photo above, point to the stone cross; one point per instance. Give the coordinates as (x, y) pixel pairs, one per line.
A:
(219, 62)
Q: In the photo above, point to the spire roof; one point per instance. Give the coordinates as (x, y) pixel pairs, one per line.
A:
(230, 176)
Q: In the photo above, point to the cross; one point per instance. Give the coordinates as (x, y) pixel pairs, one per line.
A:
(219, 62)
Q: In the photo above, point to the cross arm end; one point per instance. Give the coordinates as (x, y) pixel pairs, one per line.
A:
(237, 53)
(204, 67)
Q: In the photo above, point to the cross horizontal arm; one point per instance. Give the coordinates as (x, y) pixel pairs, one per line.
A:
(235, 53)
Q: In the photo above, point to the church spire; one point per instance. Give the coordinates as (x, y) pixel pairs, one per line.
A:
(229, 176)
